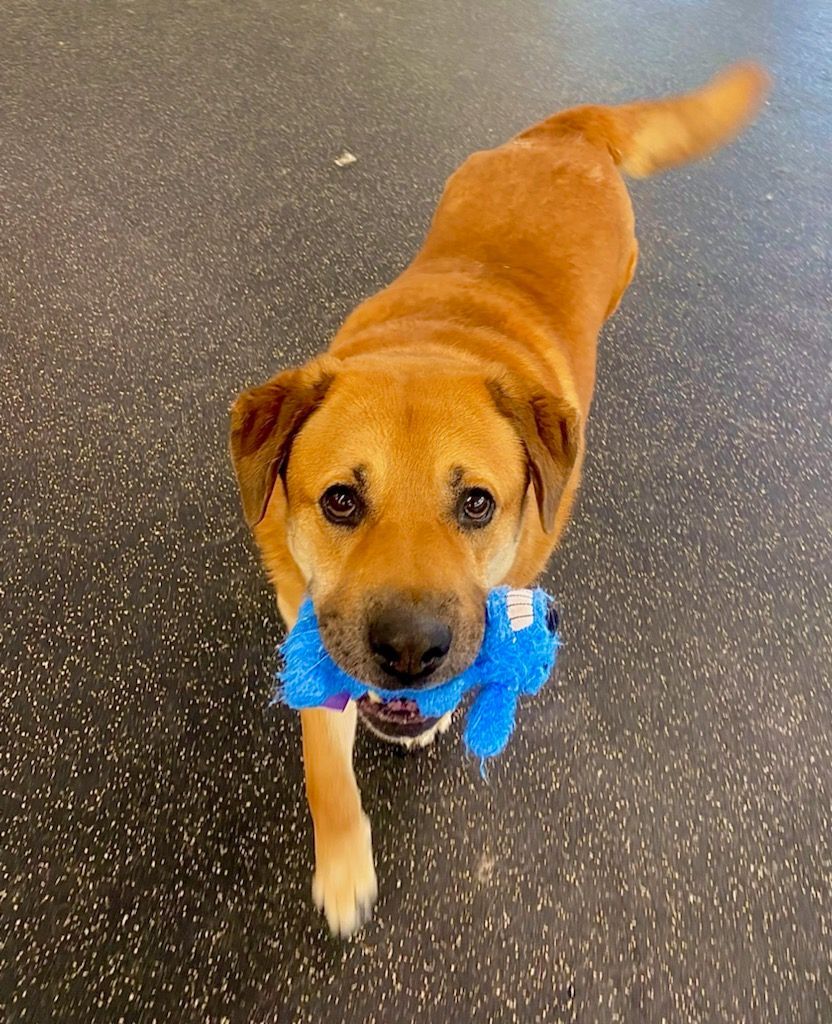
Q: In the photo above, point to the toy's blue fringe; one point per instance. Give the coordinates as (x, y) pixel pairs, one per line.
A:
(509, 664)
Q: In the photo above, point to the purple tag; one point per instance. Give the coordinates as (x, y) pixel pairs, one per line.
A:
(337, 702)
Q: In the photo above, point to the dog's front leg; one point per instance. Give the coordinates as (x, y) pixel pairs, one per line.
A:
(344, 884)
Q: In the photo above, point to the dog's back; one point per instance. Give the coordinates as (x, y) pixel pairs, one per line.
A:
(537, 236)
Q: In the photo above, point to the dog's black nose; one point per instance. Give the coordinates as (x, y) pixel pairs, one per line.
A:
(408, 642)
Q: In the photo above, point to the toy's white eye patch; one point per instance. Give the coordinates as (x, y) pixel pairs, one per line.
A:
(520, 609)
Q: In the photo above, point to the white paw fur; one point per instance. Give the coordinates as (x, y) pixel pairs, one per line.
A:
(344, 885)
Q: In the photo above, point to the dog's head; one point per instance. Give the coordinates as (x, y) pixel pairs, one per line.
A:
(401, 487)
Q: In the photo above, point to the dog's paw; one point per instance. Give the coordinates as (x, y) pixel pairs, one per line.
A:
(344, 886)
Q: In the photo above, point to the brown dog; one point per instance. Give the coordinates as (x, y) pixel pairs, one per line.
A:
(435, 451)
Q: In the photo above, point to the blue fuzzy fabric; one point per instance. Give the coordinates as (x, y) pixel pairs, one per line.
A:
(517, 656)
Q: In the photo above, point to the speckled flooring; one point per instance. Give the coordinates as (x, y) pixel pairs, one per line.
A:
(656, 845)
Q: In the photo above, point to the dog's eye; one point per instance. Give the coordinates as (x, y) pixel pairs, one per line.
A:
(342, 505)
(476, 507)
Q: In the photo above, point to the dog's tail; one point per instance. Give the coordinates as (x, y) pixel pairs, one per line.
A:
(653, 135)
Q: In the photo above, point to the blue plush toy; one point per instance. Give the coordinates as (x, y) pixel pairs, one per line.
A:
(517, 656)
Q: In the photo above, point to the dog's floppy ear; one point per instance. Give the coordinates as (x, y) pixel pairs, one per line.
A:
(550, 430)
(264, 422)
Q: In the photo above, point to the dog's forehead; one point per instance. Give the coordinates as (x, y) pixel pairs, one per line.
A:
(406, 388)
(425, 421)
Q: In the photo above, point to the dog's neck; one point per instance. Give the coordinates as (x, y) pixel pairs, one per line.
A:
(502, 326)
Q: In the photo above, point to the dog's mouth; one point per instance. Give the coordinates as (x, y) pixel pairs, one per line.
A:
(398, 718)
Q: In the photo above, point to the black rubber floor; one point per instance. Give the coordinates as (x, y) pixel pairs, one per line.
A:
(656, 844)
